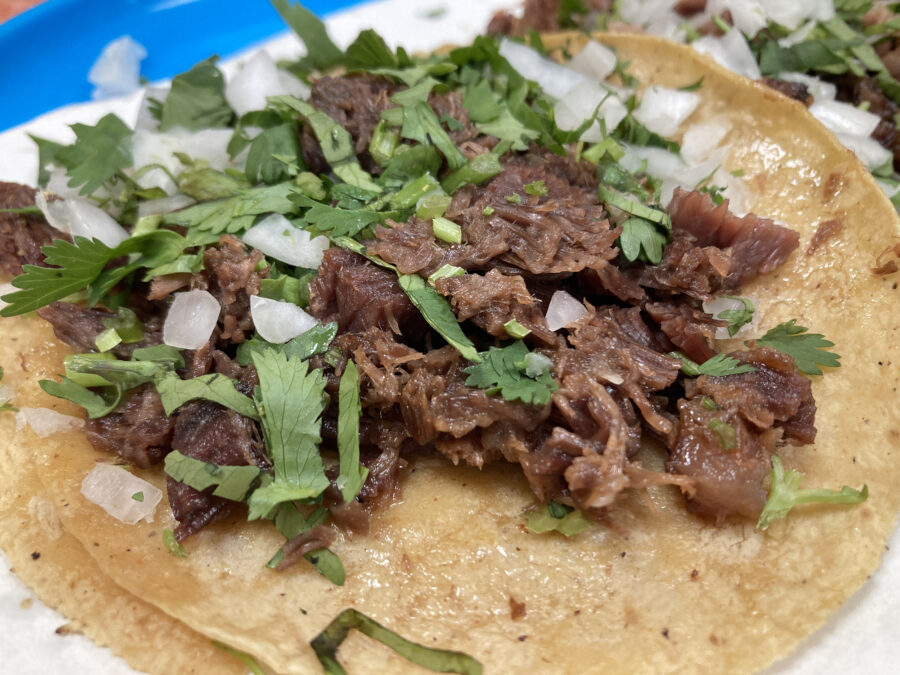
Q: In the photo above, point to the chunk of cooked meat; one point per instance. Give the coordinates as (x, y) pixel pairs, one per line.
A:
(21, 237)
(138, 430)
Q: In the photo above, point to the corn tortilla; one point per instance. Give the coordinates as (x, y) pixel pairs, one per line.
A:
(655, 589)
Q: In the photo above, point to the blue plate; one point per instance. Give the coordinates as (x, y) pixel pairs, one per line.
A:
(46, 52)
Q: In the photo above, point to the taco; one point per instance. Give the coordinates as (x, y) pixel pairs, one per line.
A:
(449, 561)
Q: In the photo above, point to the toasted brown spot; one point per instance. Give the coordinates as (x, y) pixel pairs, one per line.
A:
(516, 609)
(826, 230)
(833, 185)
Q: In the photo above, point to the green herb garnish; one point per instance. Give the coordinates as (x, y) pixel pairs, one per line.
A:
(172, 544)
(503, 371)
(809, 350)
(719, 365)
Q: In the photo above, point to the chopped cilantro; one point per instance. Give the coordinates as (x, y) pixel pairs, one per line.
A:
(237, 213)
(336, 221)
(737, 318)
(384, 142)
(487, 211)
(420, 123)
(785, 493)
(809, 350)
(326, 645)
(369, 51)
(477, 170)
(437, 312)
(175, 392)
(314, 341)
(556, 517)
(514, 198)
(251, 663)
(694, 86)
(291, 400)
(138, 496)
(502, 371)
(726, 433)
(515, 329)
(197, 100)
(274, 155)
(352, 473)
(321, 52)
(82, 264)
(107, 339)
(433, 205)
(99, 153)
(231, 482)
(446, 230)
(538, 188)
(172, 544)
(642, 240)
(335, 141)
(719, 365)
(709, 403)
(445, 271)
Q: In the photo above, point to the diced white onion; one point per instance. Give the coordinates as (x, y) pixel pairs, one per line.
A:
(792, 13)
(164, 205)
(798, 35)
(45, 422)
(581, 102)
(718, 305)
(844, 118)
(644, 12)
(6, 289)
(58, 184)
(594, 61)
(118, 69)
(662, 110)
(278, 321)
(80, 218)
(564, 310)
(113, 489)
(700, 140)
(553, 78)
(210, 145)
(259, 78)
(191, 318)
(890, 189)
(870, 152)
(6, 394)
(731, 51)
(746, 15)
(277, 238)
(819, 89)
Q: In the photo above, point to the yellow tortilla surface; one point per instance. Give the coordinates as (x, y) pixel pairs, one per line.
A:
(62, 574)
(658, 590)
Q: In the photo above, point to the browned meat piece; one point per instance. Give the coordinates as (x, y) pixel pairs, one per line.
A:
(775, 394)
(138, 430)
(21, 237)
(492, 300)
(795, 90)
(727, 478)
(686, 268)
(827, 229)
(379, 357)
(537, 15)
(690, 7)
(691, 330)
(210, 433)
(613, 349)
(230, 275)
(609, 280)
(355, 102)
(757, 245)
(79, 327)
(358, 294)
(436, 402)
(564, 231)
(312, 540)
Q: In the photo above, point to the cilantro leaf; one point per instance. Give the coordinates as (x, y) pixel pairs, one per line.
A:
(96, 405)
(368, 51)
(321, 52)
(642, 240)
(326, 645)
(337, 221)
(237, 213)
(232, 482)
(172, 544)
(291, 522)
(785, 494)
(436, 311)
(556, 517)
(314, 341)
(291, 400)
(719, 365)
(197, 100)
(175, 392)
(503, 371)
(420, 123)
(82, 264)
(352, 473)
(98, 154)
(737, 318)
(249, 661)
(271, 153)
(336, 143)
(809, 350)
